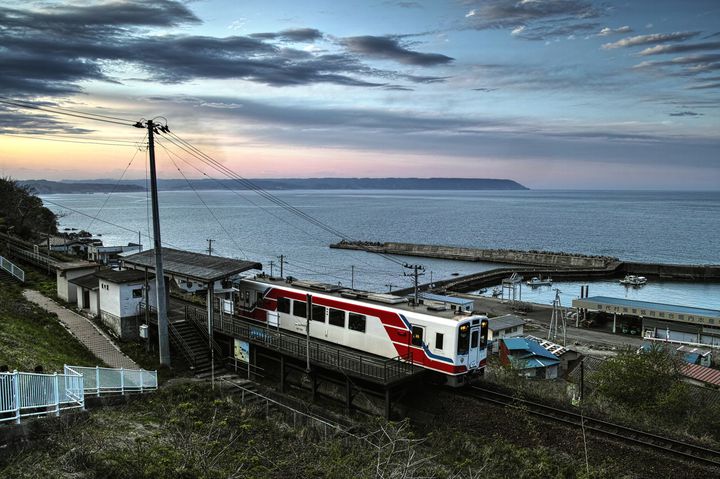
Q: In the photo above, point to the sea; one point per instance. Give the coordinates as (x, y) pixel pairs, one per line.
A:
(650, 226)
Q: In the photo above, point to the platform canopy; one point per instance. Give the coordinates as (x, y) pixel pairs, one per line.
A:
(188, 265)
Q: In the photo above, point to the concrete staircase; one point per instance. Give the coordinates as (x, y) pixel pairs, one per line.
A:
(192, 347)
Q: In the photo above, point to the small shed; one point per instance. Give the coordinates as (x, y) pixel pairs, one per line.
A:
(507, 326)
(87, 293)
(448, 302)
(110, 255)
(66, 290)
(121, 294)
(700, 375)
(568, 357)
(528, 358)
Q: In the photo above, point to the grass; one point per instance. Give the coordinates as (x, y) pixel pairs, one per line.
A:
(189, 431)
(30, 336)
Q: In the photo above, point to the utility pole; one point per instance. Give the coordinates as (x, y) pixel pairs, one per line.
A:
(140, 248)
(210, 242)
(282, 264)
(163, 340)
(418, 270)
(272, 263)
(352, 277)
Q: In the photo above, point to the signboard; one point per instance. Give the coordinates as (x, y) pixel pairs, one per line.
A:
(228, 306)
(242, 351)
(273, 318)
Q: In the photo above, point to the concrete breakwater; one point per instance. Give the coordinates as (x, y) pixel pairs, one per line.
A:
(561, 266)
(530, 258)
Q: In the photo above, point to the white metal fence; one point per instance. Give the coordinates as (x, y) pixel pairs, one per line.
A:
(12, 269)
(36, 394)
(99, 380)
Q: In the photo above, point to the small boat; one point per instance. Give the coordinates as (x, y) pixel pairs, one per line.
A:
(633, 280)
(497, 291)
(482, 291)
(535, 281)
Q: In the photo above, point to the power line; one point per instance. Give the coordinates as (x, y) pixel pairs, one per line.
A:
(245, 182)
(67, 112)
(204, 204)
(78, 141)
(117, 183)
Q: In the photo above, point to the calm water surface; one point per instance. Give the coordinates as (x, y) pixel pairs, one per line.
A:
(667, 227)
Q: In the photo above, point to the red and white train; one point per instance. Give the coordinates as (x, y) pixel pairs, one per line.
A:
(449, 342)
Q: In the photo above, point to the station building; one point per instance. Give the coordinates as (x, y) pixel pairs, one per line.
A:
(670, 322)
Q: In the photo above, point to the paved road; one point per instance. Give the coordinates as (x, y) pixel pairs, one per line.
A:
(85, 331)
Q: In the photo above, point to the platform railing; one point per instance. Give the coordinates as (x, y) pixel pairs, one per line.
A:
(11, 268)
(99, 380)
(371, 368)
(36, 394)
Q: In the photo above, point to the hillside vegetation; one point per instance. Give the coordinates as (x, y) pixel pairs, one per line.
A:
(188, 431)
(30, 336)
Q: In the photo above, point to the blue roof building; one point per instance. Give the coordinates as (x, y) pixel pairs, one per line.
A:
(529, 357)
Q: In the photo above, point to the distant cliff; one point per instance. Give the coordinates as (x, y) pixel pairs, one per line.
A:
(335, 184)
(45, 187)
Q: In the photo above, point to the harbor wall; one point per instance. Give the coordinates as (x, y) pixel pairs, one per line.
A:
(534, 258)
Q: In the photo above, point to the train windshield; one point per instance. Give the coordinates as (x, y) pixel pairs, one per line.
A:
(464, 339)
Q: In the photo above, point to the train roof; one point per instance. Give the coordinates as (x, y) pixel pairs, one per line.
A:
(427, 307)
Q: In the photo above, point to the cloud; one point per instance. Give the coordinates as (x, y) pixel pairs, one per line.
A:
(486, 90)
(649, 39)
(686, 113)
(680, 48)
(706, 60)
(51, 52)
(389, 48)
(607, 31)
(533, 19)
(16, 120)
(293, 35)
(705, 86)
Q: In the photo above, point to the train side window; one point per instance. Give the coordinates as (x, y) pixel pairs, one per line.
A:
(417, 335)
(318, 313)
(463, 339)
(336, 317)
(357, 322)
(283, 305)
(300, 309)
(439, 340)
(258, 297)
(474, 339)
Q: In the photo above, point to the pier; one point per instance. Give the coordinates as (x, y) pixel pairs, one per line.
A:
(561, 266)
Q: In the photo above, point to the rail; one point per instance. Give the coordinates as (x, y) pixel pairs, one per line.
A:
(36, 394)
(11, 268)
(379, 370)
(99, 380)
(599, 426)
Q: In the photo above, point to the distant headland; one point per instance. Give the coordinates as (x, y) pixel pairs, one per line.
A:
(108, 185)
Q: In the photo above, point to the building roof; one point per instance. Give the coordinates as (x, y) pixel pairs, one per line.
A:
(552, 348)
(446, 299)
(505, 322)
(75, 265)
(524, 348)
(195, 266)
(89, 281)
(671, 308)
(124, 276)
(701, 373)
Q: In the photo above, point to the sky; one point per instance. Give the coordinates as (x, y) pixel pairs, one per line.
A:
(572, 94)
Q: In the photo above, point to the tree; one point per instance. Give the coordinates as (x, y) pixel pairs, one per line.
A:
(22, 213)
(642, 380)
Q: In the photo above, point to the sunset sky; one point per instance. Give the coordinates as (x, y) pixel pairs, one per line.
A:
(551, 93)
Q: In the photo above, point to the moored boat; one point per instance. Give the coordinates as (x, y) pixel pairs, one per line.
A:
(535, 281)
(633, 280)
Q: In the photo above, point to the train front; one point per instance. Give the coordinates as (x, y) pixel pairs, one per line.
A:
(471, 350)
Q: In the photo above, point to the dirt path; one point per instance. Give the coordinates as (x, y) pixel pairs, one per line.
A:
(85, 331)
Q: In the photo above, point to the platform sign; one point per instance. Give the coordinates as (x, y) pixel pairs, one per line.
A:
(228, 306)
(242, 351)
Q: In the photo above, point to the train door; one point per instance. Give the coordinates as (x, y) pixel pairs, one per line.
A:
(474, 353)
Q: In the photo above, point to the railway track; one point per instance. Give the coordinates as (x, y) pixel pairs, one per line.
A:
(626, 434)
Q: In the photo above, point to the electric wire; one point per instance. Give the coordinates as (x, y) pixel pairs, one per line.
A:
(204, 203)
(89, 141)
(117, 183)
(67, 112)
(245, 182)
